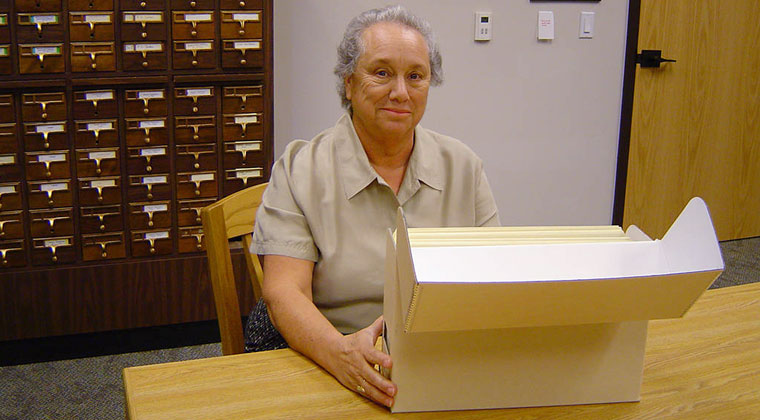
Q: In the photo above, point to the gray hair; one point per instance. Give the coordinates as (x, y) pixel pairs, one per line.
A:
(352, 47)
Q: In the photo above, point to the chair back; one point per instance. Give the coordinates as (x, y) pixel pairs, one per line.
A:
(231, 217)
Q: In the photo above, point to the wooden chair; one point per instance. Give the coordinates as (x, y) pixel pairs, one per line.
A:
(231, 217)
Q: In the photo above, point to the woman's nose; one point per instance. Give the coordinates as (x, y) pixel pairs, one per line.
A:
(399, 89)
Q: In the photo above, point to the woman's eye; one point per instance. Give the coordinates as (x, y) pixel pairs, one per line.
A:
(382, 73)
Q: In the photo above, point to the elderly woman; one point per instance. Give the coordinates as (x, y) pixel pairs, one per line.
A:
(330, 201)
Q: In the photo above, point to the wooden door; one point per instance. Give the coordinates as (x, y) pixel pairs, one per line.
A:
(695, 127)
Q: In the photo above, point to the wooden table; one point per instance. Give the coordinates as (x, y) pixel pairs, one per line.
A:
(705, 365)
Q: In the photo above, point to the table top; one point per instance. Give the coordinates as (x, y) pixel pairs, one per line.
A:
(705, 365)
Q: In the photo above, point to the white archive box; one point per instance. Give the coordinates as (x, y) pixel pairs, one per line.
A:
(517, 317)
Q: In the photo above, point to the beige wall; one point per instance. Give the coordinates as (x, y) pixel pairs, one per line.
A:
(543, 116)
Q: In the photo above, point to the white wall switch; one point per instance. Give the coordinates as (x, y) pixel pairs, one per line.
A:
(545, 25)
(587, 25)
(482, 26)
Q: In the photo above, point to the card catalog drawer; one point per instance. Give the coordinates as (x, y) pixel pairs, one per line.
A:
(242, 127)
(237, 179)
(152, 242)
(147, 160)
(10, 196)
(91, 26)
(12, 254)
(241, 4)
(5, 33)
(95, 104)
(103, 247)
(97, 191)
(196, 157)
(243, 53)
(201, 129)
(11, 225)
(191, 240)
(196, 185)
(144, 56)
(142, 4)
(241, 24)
(45, 136)
(97, 162)
(189, 211)
(143, 26)
(38, 5)
(55, 222)
(6, 65)
(243, 99)
(56, 250)
(146, 131)
(101, 219)
(49, 194)
(43, 106)
(192, 4)
(7, 109)
(40, 58)
(149, 187)
(194, 54)
(152, 215)
(48, 165)
(244, 154)
(8, 140)
(193, 25)
(96, 133)
(145, 103)
(194, 101)
(89, 5)
(39, 27)
(10, 170)
(92, 56)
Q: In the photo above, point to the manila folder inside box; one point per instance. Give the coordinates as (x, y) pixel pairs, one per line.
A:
(498, 326)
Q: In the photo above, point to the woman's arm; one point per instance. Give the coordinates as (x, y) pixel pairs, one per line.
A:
(350, 358)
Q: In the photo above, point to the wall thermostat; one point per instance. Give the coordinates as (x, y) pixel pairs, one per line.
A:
(482, 26)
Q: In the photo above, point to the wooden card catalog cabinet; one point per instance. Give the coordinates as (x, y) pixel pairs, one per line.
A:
(45, 136)
(191, 240)
(189, 211)
(11, 225)
(97, 162)
(237, 179)
(201, 129)
(146, 131)
(144, 56)
(137, 26)
(194, 54)
(153, 242)
(43, 106)
(150, 215)
(39, 27)
(6, 65)
(242, 53)
(149, 187)
(194, 101)
(237, 24)
(38, 5)
(41, 58)
(91, 26)
(243, 99)
(8, 142)
(193, 25)
(196, 185)
(7, 110)
(49, 194)
(12, 254)
(10, 196)
(95, 104)
(9, 168)
(196, 157)
(96, 133)
(103, 247)
(56, 222)
(242, 127)
(101, 219)
(47, 165)
(240, 154)
(93, 56)
(101, 190)
(146, 102)
(50, 251)
(147, 160)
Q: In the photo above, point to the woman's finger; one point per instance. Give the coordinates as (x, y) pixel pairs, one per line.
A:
(370, 391)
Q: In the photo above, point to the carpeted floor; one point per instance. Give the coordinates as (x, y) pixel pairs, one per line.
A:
(92, 388)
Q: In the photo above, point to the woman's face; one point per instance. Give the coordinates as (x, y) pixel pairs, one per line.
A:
(389, 89)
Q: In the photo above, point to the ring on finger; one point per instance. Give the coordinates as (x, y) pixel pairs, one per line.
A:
(360, 389)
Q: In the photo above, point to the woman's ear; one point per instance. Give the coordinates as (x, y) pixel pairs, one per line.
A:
(347, 85)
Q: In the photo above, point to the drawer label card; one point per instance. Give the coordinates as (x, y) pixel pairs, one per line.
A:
(151, 124)
(7, 189)
(54, 186)
(53, 243)
(3, 19)
(58, 157)
(248, 119)
(103, 183)
(50, 128)
(247, 45)
(143, 17)
(245, 17)
(198, 17)
(154, 180)
(144, 47)
(100, 126)
(4, 52)
(150, 94)
(153, 151)
(46, 50)
(101, 155)
(198, 92)
(44, 19)
(99, 18)
(201, 177)
(156, 235)
(247, 146)
(198, 46)
(98, 96)
(248, 173)
(7, 159)
(155, 208)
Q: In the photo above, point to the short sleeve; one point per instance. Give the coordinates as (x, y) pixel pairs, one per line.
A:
(281, 227)
(486, 212)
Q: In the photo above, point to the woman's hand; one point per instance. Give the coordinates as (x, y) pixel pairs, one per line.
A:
(353, 365)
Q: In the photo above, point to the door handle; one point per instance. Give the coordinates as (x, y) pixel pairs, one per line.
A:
(651, 58)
